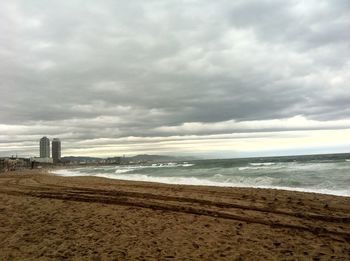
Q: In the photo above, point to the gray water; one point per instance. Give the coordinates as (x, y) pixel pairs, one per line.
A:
(326, 174)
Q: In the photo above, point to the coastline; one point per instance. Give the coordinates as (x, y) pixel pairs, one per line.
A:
(49, 217)
(67, 172)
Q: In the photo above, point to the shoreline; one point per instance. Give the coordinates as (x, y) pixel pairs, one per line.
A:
(103, 219)
(212, 184)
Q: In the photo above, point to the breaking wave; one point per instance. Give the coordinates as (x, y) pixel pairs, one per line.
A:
(328, 174)
(262, 164)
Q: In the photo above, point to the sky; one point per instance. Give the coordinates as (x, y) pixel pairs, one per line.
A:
(179, 77)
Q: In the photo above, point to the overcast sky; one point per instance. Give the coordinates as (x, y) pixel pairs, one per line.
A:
(197, 77)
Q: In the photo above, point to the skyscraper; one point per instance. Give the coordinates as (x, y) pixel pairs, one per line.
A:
(56, 150)
(44, 147)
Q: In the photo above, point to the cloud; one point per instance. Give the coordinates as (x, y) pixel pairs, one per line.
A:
(84, 70)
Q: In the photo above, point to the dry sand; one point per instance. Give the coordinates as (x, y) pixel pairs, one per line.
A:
(45, 217)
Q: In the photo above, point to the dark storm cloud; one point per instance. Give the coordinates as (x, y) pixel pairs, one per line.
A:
(88, 69)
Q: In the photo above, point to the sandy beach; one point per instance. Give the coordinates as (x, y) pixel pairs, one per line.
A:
(46, 217)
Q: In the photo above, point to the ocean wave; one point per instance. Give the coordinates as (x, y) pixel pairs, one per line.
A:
(305, 177)
(68, 172)
(126, 169)
(187, 165)
(260, 167)
(240, 181)
(164, 165)
(250, 168)
(119, 171)
(170, 165)
(262, 163)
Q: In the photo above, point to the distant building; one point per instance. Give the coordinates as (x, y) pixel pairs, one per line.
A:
(114, 160)
(11, 164)
(44, 147)
(41, 160)
(56, 150)
(2, 164)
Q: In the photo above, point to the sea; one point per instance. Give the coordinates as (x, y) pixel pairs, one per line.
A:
(325, 174)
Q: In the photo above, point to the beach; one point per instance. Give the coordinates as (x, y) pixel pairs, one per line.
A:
(47, 217)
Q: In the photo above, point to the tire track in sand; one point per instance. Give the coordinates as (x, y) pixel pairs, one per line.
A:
(316, 224)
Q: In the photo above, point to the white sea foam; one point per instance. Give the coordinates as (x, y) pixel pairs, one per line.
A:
(126, 169)
(164, 165)
(262, 163)
(118, 171)
(327, 177)
(216, 180)
(259, 182)
(187, 165)
(250, 168)
(68, 172)
(170, 165)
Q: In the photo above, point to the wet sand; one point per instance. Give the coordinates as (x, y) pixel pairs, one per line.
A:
(45, 217)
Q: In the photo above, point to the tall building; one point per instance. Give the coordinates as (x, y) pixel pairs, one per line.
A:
(44, 147)
(56, 150)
